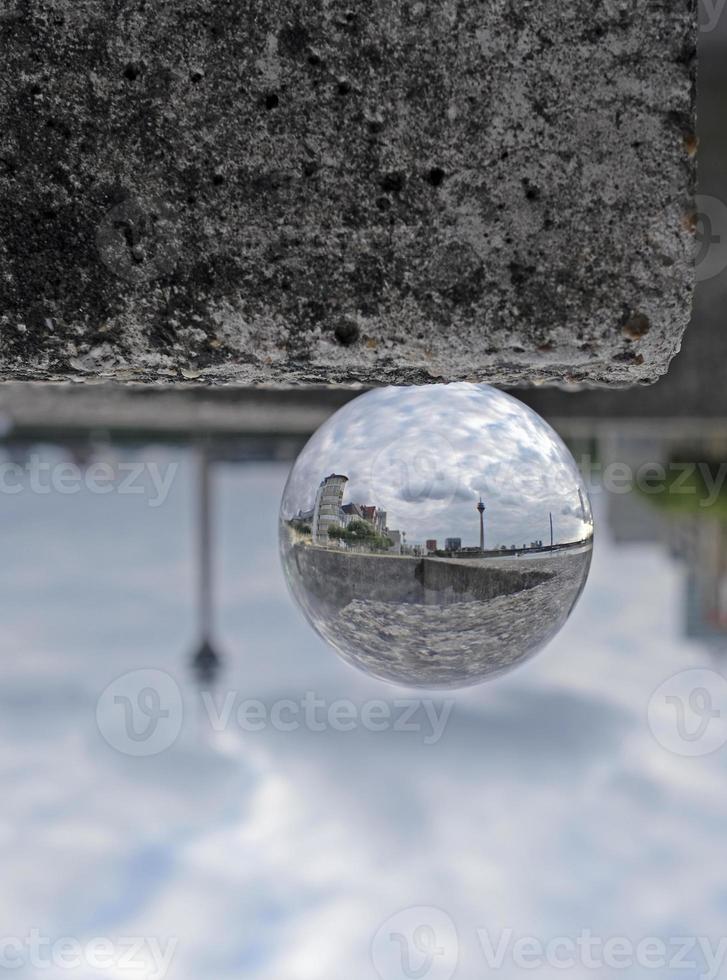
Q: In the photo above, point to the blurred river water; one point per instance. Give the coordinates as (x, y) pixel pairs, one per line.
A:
(286, 814)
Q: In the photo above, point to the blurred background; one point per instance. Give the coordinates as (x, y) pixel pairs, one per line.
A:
(175, 790)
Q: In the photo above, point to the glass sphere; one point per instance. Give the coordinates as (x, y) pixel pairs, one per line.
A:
(436, 536)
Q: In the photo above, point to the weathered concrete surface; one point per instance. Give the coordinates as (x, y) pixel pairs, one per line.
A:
(382, 192)
(339, 577)
(433, 623)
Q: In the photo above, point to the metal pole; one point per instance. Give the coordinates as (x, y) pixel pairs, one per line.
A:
(551, 530)
(205, 546)
(205, 662)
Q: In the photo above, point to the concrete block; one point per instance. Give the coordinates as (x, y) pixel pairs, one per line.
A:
(393, 191)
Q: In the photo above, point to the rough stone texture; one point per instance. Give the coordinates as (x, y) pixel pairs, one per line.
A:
(339, 577)
(381, 192)
(435, 623)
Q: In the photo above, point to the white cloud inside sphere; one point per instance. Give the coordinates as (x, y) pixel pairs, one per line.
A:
(426, 454)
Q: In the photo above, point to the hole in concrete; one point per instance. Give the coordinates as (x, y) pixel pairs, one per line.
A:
(436, 176)
(520, 273)
(372, 53)
(272, 100)
(293, 39)
(347, 331)
(628, 357)
(532, 192)
(393, 183)
(132, 71)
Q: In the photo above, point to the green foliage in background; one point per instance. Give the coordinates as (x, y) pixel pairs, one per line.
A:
(360, 532)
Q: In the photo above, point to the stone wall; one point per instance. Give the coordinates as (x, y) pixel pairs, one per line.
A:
(339, 577)
(392, 191)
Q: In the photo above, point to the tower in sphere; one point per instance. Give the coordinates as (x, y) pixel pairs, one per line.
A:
(481, 509)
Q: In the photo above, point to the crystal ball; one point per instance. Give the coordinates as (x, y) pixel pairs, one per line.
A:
(436, 536)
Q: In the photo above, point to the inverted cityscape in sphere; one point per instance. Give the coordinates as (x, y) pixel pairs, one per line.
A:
(436, 536)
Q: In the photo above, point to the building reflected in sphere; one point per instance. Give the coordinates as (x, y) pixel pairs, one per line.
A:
(436, 536)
